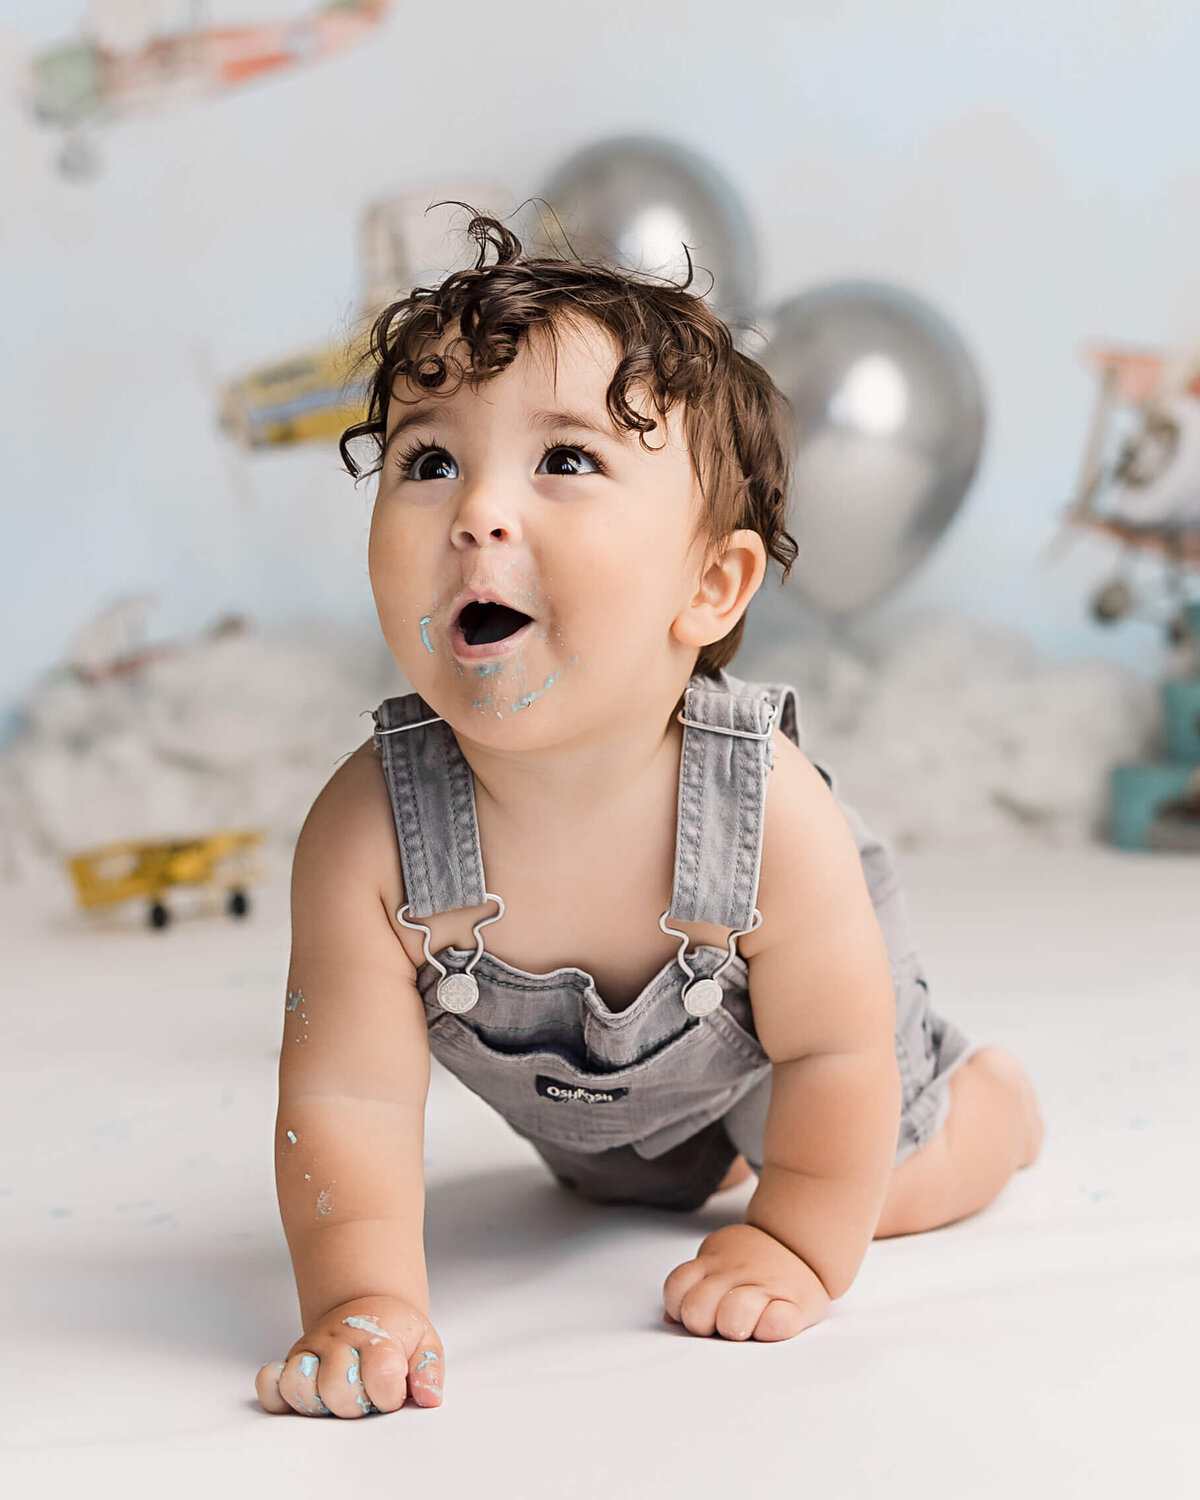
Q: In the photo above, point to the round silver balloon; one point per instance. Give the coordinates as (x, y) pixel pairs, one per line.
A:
(890, 420)
(636, 201)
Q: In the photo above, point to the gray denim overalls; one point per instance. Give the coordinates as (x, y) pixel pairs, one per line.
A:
(649, 1104)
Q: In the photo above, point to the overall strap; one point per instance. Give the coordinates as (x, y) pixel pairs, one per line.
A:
(433, 802)
(726, 760)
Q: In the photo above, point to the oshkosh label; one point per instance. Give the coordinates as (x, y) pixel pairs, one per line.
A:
(552, 1088)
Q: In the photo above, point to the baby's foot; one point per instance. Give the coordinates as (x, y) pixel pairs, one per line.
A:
(738, 1172)
(1001, 1064)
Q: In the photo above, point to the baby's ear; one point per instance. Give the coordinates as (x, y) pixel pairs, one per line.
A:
(729, 579)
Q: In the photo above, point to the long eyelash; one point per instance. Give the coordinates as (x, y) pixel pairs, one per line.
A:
(407, 456)
(588, 453)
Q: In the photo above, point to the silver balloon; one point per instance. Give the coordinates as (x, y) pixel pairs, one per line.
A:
(890, 420)
(636, 201)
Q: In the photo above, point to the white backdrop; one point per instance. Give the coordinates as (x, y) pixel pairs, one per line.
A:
(1031, 169)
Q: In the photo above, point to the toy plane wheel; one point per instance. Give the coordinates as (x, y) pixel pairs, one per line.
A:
(1113, 602)
(1179, 628)
(238, 904)
(158, 915)
(79, 159)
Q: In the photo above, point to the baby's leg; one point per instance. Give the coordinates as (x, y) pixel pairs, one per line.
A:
(994, 1127)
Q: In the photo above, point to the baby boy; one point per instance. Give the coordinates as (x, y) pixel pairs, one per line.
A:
(702, 967)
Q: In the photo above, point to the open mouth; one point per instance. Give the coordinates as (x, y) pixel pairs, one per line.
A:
(482, 624)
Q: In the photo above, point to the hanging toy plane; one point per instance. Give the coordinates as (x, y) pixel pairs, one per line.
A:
(312, 396)
(1139, 483)
(124, 60)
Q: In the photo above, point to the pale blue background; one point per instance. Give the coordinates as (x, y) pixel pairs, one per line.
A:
(1033, 169)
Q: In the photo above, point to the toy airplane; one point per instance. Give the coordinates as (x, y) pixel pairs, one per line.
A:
(112, 642)
(308, 397)
(109, 71)
(126, 871)
(313, 396)
(1139, 483)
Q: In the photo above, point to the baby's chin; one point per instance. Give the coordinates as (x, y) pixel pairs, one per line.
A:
(505, 702)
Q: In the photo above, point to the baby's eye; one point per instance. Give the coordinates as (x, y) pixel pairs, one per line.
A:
(563, 460)
(433, 463)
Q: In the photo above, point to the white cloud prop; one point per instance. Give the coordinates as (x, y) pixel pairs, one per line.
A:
(237, 731)
(954, 735)
(949, 735)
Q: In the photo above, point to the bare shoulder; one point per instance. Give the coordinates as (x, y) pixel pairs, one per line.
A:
(809, 854)
(349, 832)
(819, 974)
(363, 1015)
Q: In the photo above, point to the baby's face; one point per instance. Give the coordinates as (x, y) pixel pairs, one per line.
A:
(523, 489)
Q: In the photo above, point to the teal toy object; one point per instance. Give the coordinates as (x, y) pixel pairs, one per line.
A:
(1145, 807)
(1181, 721)
(1156, 804)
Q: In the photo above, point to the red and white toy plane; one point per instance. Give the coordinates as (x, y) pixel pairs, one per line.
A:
(126, 59)
(1139, 483)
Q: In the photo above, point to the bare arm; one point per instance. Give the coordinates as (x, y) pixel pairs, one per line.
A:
(829, 1150)
(824, 1008)
(354, 1065)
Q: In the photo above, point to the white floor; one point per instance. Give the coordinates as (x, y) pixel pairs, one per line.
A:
(1045, 1347)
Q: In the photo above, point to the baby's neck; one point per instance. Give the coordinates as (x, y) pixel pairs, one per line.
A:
(602, 778)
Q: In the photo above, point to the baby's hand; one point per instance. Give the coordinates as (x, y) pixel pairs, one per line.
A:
(359, 1358)
(743, 1283)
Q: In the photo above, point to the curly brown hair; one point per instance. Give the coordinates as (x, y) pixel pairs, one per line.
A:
(673, 348)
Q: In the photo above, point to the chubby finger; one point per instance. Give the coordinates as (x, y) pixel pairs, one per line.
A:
(781, 1319)
(400, 1361)
(266, 1388)
(298, 1384)
(383, 1363)
(426, 1369)
(698, 1305)
(678, 1284)
(339, 1380)
(358, 1391)
(739, 1310)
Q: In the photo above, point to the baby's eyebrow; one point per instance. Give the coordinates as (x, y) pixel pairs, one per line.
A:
(588, 421)
(425, 411)
(414, 414)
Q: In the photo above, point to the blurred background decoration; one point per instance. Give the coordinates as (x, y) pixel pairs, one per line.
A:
(146, 872)
(141, 56)
(313, 396)
(889, 415)
(1139, 485)
(636, 201)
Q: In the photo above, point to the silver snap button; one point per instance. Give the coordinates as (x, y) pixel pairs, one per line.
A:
(457, 992)
(702, 997)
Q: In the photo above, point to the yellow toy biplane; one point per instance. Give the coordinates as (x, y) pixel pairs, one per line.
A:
(304, 398)
(313, 395)
(144, 869)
